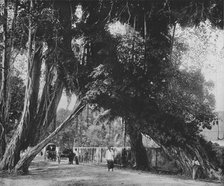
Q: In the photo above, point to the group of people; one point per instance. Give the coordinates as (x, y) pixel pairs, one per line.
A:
(110, 160)
(75, 156)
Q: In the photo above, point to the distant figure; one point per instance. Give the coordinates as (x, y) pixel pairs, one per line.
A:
(71, 157)
(124, 157)
(86, 157)
(76, 157)
(195, 164)
(59, 157)
(110, 158)
(46, 154)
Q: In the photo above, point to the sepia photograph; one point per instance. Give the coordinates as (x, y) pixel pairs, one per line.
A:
(111, 92)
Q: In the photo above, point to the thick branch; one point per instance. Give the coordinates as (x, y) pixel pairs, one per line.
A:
(25, 161)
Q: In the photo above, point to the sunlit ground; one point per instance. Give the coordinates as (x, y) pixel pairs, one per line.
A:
(51, 174)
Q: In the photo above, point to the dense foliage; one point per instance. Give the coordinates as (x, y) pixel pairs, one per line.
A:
(131, 73)
(88, 131)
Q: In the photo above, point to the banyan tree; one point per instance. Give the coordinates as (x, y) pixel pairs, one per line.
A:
(134, 84)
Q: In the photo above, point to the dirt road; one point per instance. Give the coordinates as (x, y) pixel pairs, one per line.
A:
(52, 174)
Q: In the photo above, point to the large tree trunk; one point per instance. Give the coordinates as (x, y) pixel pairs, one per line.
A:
(2, 140)
(19, 140)
(8, 34)
(184, 157)
(4, 86)
(54, 72)
(37, 117)
(46, 112)
(137, 147)
(25, 161)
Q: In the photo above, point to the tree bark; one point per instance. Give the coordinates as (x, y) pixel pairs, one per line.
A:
(4, 85)
(25, 161)
(19, 140)
(53, 88)
(45, 119)
(6, 75)
(184, 157)
(137, 147)
(36, 117)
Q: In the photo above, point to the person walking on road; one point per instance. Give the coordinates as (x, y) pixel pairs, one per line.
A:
(196, 165)
(58, 156)
(110, 158)
(76, 157)
(71, 156)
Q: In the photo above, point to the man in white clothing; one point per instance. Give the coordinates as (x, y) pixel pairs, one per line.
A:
(195, 164)
(110, 158)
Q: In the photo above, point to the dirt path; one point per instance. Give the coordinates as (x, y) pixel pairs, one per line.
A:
(52, 174)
